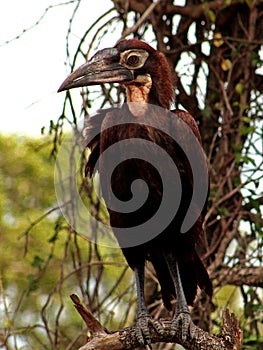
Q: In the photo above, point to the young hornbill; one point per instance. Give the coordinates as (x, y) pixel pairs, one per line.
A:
(146, 75)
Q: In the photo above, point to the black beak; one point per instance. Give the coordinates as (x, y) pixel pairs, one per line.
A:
(103, 67)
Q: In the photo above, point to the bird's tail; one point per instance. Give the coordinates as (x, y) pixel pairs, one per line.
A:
(192, 273)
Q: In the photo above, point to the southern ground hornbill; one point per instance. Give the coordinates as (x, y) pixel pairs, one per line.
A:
(144, 120)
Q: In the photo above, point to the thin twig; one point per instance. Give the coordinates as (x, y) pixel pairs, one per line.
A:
(144, 16)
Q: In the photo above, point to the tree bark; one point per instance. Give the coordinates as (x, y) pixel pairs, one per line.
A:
(230, 336)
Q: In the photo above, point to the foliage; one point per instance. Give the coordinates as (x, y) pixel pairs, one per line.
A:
(42, 261)
(26, 192)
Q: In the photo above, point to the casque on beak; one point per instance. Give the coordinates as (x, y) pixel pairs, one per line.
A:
(103, 67)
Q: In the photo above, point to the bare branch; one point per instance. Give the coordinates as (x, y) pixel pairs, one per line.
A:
(141, 20)
(195, 11)
(230, 336)
(37, 22)
(93, 325)
(250, 276)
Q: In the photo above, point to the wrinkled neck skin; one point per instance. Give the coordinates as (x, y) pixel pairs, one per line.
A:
(137, 95)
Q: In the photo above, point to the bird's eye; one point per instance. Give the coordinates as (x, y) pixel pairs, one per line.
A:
(133, 60)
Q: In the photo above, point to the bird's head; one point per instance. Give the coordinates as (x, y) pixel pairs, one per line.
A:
(142, 69)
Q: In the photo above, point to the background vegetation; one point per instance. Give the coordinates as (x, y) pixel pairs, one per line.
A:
(215, 51)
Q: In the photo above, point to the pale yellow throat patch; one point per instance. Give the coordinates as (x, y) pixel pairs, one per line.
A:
(139, 89)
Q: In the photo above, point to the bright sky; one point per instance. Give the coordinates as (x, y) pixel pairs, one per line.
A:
(33, 67)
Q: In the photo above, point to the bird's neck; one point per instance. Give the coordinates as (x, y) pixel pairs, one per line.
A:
(139, 89)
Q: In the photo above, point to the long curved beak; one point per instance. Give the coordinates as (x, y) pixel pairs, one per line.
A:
(102, 68)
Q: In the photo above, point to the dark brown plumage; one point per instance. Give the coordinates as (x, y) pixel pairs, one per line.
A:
(147, 77)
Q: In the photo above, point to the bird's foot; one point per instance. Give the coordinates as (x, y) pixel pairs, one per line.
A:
(142, 330)
(183, 318)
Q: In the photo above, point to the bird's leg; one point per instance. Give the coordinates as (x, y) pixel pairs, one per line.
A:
(143, 317)
(182, 314)
(142, 328)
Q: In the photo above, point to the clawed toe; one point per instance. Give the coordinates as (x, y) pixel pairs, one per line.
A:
(142, 330)
(157, 326)
(187, 325)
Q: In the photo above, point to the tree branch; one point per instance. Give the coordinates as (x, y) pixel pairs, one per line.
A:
(230, 336)
(238, 276)
(195, 11)
(147, 12)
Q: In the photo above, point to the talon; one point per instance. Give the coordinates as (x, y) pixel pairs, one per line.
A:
(142, 330)
(192, 329)
(183, 318)
(157, 326)
(174, 326)
(139, 336)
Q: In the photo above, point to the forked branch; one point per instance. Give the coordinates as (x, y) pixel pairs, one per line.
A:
(230, 336)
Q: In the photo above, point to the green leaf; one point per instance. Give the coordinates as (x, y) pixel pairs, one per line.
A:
(238, 157)
(245, 130)
(246, 119)
(33, 283)
(255, 58)
(237, 147)
(53, 238)
(236, 180)
(223, 211)
(211, 15)
(247, 160)
(226, 64)
(37, 262)
(239, 88)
